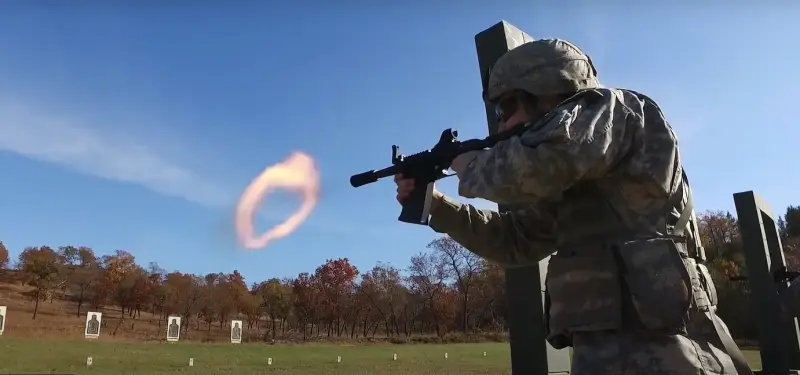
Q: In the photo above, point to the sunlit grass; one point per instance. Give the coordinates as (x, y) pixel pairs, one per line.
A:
(33, 356)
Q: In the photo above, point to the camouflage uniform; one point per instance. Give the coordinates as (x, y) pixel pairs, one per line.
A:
(601, 188)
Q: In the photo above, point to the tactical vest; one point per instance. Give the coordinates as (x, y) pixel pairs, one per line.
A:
(619, 278)
(626, 281)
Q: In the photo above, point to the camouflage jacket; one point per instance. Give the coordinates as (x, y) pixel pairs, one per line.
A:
(604, 163)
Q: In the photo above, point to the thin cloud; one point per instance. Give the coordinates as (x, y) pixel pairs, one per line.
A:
(80, 147)
(86, 149)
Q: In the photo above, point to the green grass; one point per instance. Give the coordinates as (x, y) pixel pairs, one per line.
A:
(109, 358)
(753, 358)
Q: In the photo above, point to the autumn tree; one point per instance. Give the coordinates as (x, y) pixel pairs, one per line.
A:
(3, 257)
(719, 235)
(383, 287)
(489, 300)
(790, 222)
(307, 296)
(428, 277)
(67, 262)
(118, 265)
(212, 298)
(85, 272)
(121, 278)
(446, 309)
(275, 302)
(461, 265)
(251, 307)
(789, 228)
(355, 309)
(39, 266)
(231, 292)
(158, 293)
(363, 310)
(184, 292)
(336, 281)
(444, 289)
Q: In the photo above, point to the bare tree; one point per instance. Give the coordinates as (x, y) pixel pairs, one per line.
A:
(461, 265)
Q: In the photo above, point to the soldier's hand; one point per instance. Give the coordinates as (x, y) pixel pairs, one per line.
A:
(405, 186)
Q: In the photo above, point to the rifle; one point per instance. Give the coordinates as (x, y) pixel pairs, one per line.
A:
(425, 168)
(780, 276)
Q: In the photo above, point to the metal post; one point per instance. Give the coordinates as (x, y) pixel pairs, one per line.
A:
(530, 353)
(778, 337)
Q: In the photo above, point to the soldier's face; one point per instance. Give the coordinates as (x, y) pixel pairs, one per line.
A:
(511, 112)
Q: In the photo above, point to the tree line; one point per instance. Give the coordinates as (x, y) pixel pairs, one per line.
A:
(443, 291)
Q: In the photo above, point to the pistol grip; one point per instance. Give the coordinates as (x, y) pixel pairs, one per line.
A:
(417, 207)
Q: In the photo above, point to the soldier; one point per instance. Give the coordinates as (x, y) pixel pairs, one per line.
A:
(597, 182)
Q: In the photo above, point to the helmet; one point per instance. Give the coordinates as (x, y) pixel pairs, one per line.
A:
(541, 67)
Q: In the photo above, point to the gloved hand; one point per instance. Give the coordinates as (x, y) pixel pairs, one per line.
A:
(406, 185)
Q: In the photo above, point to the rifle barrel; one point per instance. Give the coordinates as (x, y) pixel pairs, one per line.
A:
(369, 177)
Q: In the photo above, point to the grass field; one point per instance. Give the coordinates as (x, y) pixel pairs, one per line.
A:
(53, 344)
(29, 356)
(110, 358)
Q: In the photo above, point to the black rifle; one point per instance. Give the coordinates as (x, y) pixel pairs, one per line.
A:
(780, 276)
(425, 168)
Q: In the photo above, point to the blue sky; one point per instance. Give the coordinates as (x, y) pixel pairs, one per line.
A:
(136, 127)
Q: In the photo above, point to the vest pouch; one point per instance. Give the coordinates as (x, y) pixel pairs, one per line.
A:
(584, 292)
(556, 340)
(658, 281)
